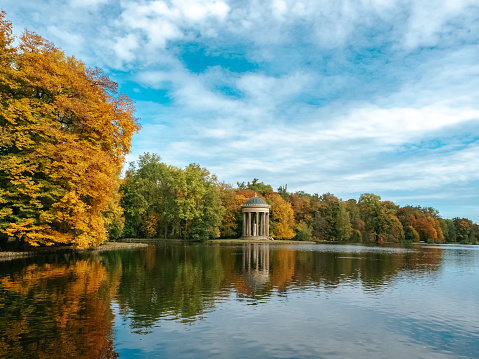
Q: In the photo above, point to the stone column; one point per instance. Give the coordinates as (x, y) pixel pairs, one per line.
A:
(264, 224)
(244, 224)
(267, 223)
(248, 224)
(261, 228)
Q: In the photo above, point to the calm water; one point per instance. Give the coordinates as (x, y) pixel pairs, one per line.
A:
(244, 301)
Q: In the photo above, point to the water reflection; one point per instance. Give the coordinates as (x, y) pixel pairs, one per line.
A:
(64, 304)
(255, 266)
(58, 310)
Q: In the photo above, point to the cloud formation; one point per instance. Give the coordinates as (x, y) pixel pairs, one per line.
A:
(346, 96)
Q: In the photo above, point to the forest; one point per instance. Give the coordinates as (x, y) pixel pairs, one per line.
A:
(64, 134)
(162, 201)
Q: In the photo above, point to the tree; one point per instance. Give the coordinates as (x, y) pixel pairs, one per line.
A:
(424, 220)
(411, 234)
(283, 192)
(258, 187)
(324, 221)
(301, 208)
(165, 200)
(229, 223)
(282, 217)
(64, 133)
(343, 224)
(463, 230)
(304, 232)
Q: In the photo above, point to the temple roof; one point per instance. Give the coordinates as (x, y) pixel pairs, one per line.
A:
(255, 201)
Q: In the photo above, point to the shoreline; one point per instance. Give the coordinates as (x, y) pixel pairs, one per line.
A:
(107, 246)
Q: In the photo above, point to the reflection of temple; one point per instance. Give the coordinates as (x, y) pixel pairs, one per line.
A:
(256, 265)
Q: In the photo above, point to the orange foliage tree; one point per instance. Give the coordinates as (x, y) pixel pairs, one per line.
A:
(64, 131)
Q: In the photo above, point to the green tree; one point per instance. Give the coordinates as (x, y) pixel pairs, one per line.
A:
(343, 223)
(255, 185)
(411, 234)
(162, 200)
(304, 232)
(373, 215)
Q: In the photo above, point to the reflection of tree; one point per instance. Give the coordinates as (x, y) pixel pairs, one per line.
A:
(283, 267)
(57, 310)
(372, 268)
(173, 281)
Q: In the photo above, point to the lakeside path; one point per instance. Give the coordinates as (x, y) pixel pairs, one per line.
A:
(108, 246)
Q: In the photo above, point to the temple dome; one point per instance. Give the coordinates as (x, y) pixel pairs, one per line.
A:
(255, 201)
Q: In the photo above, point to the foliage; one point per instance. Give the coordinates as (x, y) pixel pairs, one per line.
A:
(162, 200)
(76, 317)
(64, 133)
(356, 236)
(255, 185)
(282, 217)
(231, 221)
(410, 234)
(343, 223)
(304, 232)
(424, 221)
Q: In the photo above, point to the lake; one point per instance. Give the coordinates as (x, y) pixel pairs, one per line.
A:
(242, 300)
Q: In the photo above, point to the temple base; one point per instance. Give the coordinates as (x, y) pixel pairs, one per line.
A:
(262, 238)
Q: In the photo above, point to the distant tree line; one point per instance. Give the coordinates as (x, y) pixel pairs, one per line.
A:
(163, 201)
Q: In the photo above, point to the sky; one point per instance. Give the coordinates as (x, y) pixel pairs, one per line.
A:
(339, 96)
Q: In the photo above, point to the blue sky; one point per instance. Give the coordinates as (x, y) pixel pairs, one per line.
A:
(340, 96)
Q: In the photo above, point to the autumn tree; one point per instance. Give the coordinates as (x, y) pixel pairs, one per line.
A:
(424, 220)
(64, 131)
(231, 219)
(282, 217)
(466, 230)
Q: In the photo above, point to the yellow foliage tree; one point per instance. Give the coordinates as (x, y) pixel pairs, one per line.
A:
(64, 133)
(282, 216)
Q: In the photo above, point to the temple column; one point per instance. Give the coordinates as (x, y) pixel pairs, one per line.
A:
(264, 224)
(244, 224)
(267, 224)
(260, 232)
(248, 224)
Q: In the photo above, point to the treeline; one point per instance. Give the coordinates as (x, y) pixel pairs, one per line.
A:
(162, 201)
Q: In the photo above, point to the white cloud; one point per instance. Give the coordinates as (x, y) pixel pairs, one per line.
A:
(125, 47)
